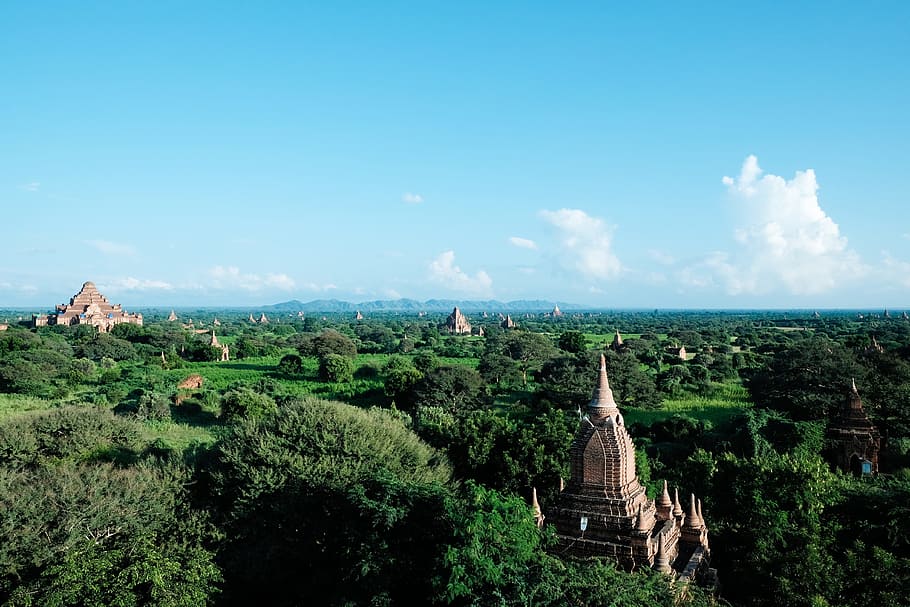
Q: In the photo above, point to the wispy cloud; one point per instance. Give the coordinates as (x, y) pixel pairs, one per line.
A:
(31, 186)
(111, 248)
(231, 277)
(312, 286)
(522, 243)
(895, 270)
(585, 243)
(786, 240)
(444, 271)
(135, 284)
(661, 257)
(411, 198)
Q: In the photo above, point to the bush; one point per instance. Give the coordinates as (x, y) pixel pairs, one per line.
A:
(336, 368)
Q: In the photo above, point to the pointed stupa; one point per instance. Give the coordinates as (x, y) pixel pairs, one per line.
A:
(263, 319)
(252, 320)
(535, 505)
(602, 402)
(701, 517)
(216, 322)
(661, 561)
(677, 506)
(664, 504)
(642, 523)
(214, 342)
(562, 484)
(692, 519)
(617, 341)
(172, 316)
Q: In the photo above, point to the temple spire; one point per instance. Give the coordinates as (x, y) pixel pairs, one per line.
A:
(602, 401)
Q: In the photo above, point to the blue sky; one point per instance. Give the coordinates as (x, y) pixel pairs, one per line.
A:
(663, 156)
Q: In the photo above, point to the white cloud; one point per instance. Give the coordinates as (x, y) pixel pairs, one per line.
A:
(585, 243)
(410, 198)
(312, 286)
(111, 248)
(522, 243)
(786, 240)
(32, 186)
(232, 278)
(134, 284)
(444, 271)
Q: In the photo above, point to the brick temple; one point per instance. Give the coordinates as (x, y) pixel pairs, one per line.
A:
(88, 307)
(853, 440)
(604, 510)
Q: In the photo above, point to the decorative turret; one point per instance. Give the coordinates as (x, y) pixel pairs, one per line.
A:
(535, 505)
(664, 504)
(693, 521)
(677, 506)
(661, 561)
(642, 522)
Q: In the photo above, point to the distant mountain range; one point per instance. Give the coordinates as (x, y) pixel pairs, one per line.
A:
(413, 305)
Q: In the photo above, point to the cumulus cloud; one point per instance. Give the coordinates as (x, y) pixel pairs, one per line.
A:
(786, 241)
(231, 277)
(111, 248)
(444, 271)
(134, 284)
(585, 243)
(411, 198)
(522, 243)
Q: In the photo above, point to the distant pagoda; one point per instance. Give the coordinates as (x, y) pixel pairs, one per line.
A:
(457, 323)
(88, 307)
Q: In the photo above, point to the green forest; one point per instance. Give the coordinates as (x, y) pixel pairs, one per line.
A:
(382, 461)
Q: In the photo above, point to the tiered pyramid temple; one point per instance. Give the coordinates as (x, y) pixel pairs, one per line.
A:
(605, 512)
(88, 307)
(457, 324)
(853, 440)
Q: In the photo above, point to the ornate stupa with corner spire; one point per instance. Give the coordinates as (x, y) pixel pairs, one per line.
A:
(853, 440)
(604, 510)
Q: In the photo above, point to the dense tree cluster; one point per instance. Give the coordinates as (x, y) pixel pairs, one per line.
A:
(256, 484)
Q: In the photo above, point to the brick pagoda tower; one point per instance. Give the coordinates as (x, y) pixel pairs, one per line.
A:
(605, 512)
